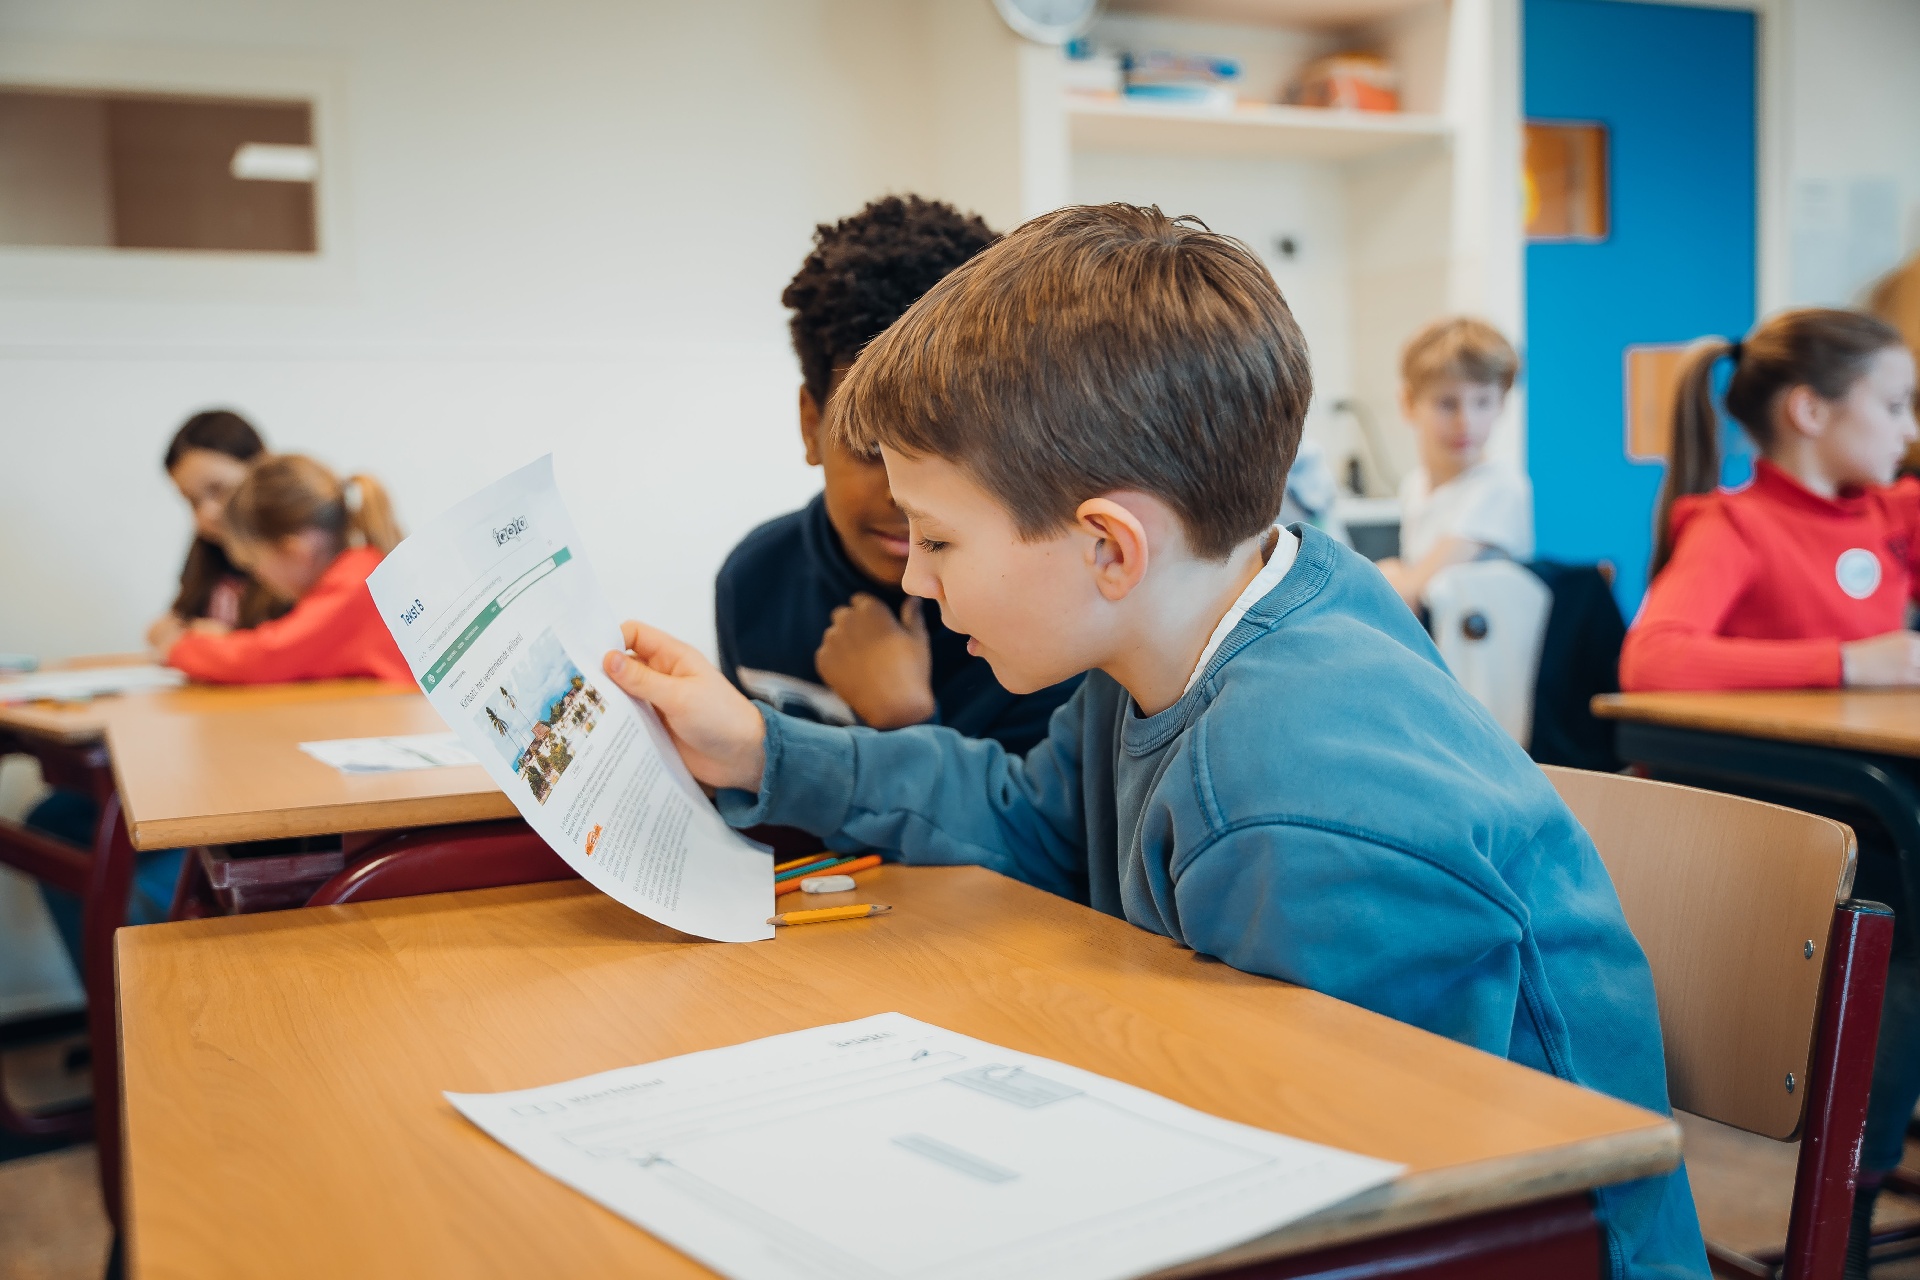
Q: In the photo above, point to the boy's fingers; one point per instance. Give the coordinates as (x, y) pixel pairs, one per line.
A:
(913, 617)
(655, 647)
(637, 678)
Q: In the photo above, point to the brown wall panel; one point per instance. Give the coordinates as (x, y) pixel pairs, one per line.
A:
(172, 185)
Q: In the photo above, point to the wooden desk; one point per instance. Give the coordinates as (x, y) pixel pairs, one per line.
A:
(68, 740)
(283, 1072)
(1872, 720)
(210, 774)
(83, 723)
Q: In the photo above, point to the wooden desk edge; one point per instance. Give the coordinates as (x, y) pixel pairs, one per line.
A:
(1697, 712)
(316, 820)
(1463, 1191)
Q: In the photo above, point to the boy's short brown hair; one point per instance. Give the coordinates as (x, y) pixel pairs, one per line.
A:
(1093, 349)
(1460, 347)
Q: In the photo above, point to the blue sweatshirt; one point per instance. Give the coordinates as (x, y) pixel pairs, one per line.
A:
(775, 597)
(1326, 806)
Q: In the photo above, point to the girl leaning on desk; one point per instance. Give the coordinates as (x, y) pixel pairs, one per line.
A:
(309, 539)
(206, 460)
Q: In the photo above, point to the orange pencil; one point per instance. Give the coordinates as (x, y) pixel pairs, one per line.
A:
(867, 863)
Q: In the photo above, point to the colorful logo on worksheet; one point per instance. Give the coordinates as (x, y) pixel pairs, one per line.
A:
(593, 838)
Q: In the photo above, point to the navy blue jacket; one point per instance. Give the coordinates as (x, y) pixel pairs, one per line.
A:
(1326, 806)
(775, 597)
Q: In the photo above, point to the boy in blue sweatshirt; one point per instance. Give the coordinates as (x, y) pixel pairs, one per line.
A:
(1089, 428)
(814, 595)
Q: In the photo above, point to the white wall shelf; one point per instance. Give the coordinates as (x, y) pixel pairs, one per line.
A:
(1325, 14)
(1275, 132)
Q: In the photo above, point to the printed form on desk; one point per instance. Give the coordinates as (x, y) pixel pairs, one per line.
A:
(503, 624)
(889, 1149)
(391, 754)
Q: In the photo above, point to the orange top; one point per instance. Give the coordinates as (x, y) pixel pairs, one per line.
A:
(333, 633)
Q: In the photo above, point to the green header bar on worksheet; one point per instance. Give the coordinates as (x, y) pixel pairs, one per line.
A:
(472, 631)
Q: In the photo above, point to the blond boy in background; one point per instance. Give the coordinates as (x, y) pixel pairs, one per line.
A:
(1459, 505)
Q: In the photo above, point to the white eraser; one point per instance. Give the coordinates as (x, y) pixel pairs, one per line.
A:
(826, 884)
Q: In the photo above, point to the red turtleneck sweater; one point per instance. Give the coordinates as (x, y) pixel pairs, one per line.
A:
(334, 632)
(1766, 582)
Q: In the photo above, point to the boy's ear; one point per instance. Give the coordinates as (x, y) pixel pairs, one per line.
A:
(810, 426)
(1117, 552)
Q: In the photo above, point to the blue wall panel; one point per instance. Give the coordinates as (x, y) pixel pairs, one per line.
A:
(1675, 88)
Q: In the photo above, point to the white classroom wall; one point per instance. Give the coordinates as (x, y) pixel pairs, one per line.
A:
(1850, 201)
(565, 227)
(559, 228)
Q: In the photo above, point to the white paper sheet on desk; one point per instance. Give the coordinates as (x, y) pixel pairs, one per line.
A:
(86, 682)
(889, 1149)
(503, 623)
(394, 754)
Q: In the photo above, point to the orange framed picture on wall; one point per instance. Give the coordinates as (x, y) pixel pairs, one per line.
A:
(1566, 181)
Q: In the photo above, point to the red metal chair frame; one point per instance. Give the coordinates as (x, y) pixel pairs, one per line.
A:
(481, 855)
(1838, 1077)
(59, 864)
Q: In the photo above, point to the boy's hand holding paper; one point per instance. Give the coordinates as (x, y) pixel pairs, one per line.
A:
(498, 615)
(716, 730)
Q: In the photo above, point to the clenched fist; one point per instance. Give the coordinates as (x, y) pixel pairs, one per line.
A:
(881, 665)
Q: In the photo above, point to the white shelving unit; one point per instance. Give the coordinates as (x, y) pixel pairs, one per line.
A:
(1272, 132)
(1372, 223)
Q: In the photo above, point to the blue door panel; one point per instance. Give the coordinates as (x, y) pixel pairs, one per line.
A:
(1674, 87)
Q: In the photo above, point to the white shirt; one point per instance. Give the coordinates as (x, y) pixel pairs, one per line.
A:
(1488, 503)
(1285, 548)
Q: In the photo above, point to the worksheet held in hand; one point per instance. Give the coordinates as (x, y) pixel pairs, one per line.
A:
(503, 624)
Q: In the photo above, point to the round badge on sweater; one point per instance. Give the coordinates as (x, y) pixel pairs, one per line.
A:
(1858, 572)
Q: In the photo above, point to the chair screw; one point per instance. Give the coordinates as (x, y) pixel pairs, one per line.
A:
(1789, 1082)
(1809, 949)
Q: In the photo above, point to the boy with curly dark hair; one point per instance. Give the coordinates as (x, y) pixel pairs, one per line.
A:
(815, 594)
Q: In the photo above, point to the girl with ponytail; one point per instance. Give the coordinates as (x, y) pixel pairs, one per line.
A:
(1804, 578)
(310, 539)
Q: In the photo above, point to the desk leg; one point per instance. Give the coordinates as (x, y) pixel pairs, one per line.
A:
(1558, 1238)
(105, 912)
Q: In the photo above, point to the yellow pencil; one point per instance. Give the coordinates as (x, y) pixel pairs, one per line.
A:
(820, 915)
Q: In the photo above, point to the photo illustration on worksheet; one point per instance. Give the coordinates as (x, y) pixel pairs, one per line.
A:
(541, 712)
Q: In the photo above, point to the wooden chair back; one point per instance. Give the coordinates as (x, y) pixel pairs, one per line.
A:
(1732, 899)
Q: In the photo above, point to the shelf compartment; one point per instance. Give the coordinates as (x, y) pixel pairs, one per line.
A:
(1301, 133)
